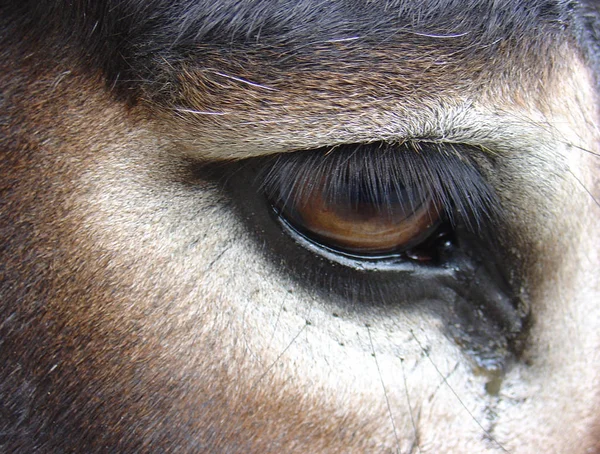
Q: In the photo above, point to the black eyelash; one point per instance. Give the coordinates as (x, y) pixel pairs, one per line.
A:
(441, 171)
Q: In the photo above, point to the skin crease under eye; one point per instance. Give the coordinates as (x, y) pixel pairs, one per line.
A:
(364, 229)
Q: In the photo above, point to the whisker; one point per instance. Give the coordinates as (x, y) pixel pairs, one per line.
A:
(460, 401)
(584, 187)
(247, 343)
(276, 360)
(276, 325)
(585, 150)
(387, 400)
(410, 410)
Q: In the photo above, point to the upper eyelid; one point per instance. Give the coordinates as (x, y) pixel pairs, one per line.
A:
(445, 172)
(235, 137)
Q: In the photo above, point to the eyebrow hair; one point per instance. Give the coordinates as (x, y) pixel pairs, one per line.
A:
(252, 78)
(233, 136)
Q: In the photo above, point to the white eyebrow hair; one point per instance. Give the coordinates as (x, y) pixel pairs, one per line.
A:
(226, 135)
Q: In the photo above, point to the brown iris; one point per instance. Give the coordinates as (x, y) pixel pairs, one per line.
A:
(363, 220)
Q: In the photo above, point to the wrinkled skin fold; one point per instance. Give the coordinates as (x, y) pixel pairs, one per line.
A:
(150, 299)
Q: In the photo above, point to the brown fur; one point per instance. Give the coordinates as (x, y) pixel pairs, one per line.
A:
(137, 312)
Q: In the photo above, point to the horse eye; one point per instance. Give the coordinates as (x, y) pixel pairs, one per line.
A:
(377, 200)
(359, 217)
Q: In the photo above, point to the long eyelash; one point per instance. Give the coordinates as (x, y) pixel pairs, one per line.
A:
(443, 172)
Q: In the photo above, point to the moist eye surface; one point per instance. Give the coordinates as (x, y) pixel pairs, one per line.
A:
(362, 229)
